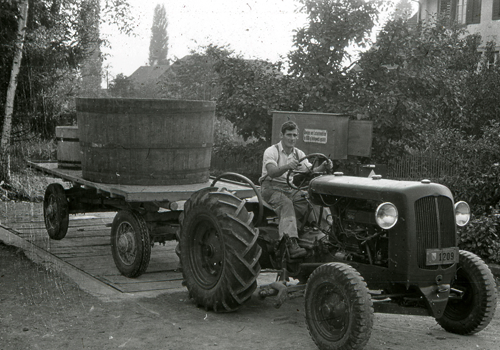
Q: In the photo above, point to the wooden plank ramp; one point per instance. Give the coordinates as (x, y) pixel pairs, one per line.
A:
(87, 248)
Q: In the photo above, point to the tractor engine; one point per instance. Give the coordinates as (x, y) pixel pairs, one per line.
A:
(354, 232)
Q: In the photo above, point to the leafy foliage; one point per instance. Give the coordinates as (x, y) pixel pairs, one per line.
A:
(477, 164)
(56, 45)
(194, 76)
(158, 46)
(321, 48)
(481, 236)
(412, 83)
(250, 90)
(121, 86)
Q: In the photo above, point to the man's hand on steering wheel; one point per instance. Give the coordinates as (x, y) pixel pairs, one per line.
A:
(309, 172)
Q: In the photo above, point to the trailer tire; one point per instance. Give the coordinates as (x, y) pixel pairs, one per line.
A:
(56, 211)
(219, 250)
(338, 307)
(130, 243)
(474, 311)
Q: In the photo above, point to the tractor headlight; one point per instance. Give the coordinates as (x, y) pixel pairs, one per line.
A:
(386, 215)
(462, 213)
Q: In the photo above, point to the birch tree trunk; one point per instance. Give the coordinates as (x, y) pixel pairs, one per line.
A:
(11, 93)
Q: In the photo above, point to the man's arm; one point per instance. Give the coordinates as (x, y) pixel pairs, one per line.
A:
(276, 171)
(306, 165)
(326, 165)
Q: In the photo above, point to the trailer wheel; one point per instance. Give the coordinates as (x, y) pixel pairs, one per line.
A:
(338, 307)
(219, 250)
(56, 211)
(475, 309)
(130, 243)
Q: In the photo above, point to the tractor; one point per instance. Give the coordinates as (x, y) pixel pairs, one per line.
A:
(388, 246)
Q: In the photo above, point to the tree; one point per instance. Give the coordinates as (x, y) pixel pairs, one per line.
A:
(413, 83)
(92, 65)
(321, 48)
(57, 41)
(250, 89)
(403, 10)
(158, 46)
(122, 86)
(11, 92)
(193, 77)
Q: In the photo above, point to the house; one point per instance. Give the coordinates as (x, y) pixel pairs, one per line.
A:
(480, 16)
(146, 79)
(182, 79)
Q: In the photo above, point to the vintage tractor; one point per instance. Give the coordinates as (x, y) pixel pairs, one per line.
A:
(388, 246)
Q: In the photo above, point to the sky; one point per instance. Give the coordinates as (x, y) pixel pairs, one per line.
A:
(254, 28)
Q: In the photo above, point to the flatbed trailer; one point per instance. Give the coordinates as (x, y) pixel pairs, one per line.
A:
(145, 214)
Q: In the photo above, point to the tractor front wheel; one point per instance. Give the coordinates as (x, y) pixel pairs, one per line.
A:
(219, 250)
(339, 309)
(476, 300)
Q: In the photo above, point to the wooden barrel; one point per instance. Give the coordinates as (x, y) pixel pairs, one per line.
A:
(68, 147)
(145, 141)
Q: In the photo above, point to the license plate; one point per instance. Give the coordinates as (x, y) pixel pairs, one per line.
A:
(441, 256)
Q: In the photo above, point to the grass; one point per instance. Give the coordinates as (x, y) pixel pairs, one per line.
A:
(27, 184)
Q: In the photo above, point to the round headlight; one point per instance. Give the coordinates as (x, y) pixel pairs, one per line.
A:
(462, 213)
(386, 215)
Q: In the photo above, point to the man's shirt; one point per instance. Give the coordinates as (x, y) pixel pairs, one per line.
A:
(278, 157)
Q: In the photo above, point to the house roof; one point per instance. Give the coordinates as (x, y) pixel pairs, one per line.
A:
(147, 74)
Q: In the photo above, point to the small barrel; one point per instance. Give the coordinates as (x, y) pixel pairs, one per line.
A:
(145, 141)
(68, 148)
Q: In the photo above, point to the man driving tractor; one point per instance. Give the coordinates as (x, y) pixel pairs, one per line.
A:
(290, 204)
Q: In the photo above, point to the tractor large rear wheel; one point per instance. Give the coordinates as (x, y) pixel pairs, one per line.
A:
(219, 250)
(475, 309)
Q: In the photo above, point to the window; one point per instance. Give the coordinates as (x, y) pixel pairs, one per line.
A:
(448, 10)
(496, 9)
(492, 59)
(473, 11)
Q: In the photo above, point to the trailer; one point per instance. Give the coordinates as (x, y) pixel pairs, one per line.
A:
(146, 215)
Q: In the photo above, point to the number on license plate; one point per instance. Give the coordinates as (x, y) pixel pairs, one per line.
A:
(441, 256)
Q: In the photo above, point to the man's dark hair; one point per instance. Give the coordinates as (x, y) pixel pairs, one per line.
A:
(288, 125)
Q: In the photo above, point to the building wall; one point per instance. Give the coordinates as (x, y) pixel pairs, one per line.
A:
(488, 28)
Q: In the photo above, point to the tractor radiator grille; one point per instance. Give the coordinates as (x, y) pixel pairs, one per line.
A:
(435, 218)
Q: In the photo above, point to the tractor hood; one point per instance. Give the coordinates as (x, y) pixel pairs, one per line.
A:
(374, 188)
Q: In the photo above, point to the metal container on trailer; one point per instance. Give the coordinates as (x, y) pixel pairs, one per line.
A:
(335, 135)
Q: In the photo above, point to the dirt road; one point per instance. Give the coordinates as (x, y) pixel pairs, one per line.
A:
(40, 309)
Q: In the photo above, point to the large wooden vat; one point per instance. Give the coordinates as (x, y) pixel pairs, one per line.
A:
(68, 148)
(145, 141)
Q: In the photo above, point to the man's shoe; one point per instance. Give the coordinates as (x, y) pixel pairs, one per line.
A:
(294, 250)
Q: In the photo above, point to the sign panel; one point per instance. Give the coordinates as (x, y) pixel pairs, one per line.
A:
(315, 136)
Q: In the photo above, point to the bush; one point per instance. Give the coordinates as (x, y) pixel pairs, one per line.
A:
(245, 159)
(480, 236)
(477, 169)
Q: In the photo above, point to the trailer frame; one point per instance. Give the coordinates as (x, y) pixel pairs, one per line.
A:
(145, 214)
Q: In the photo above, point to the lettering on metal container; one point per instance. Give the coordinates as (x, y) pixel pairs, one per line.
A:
(315, 136)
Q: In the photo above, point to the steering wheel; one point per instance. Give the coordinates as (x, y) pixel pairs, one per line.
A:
(307, 174)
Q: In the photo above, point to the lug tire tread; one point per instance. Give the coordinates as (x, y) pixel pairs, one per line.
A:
(483, 313)
(238, 279)
(356, 291)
